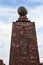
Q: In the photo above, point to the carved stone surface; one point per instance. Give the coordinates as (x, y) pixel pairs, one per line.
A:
(24, 49)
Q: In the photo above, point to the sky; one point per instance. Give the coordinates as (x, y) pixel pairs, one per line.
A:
(8, 14)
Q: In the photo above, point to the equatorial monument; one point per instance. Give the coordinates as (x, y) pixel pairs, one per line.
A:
(24, 48)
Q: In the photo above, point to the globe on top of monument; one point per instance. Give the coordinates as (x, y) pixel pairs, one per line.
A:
(22, 11)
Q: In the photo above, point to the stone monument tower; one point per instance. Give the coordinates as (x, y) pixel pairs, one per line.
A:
(24, 49)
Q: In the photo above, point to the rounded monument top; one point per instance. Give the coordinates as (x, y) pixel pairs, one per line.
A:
(22, 11)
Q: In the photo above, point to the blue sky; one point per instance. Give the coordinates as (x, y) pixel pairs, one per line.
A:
(15, 3)
(8, 14)
(12, 3)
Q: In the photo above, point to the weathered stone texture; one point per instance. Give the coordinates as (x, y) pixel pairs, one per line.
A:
(24, 49)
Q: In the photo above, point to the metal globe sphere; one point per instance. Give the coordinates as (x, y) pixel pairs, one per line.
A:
(22, 11)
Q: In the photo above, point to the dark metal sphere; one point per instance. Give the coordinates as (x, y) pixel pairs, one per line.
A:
(22, 11)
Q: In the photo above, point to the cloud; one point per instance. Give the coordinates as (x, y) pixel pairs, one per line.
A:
(8, 14)
(5, 38)
(40, 1)
(33, 1)
(41, 60)
(36, 14)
